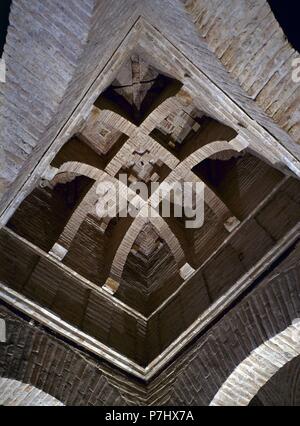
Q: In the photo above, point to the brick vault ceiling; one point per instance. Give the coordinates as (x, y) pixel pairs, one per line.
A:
(139, 289)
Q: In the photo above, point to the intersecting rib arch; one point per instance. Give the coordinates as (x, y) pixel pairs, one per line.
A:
(169, 105)
(180, 172)
(63, 244)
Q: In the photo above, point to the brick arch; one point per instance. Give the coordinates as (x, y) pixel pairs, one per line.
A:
(5, 8)
(282, 389)
(36, 357)
(269, 309)
(71, 169)
(263, 67)
(259, 367)
(46, 78)
(164, 232)
(16, 393)
(50, 87)
(68, 171)
(184, 169)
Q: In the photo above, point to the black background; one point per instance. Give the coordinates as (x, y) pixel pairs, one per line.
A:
(287, 13)
(4, 12)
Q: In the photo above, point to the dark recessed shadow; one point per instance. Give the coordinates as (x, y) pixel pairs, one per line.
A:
(163, 88)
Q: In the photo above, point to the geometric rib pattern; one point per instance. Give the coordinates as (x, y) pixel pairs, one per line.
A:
(95, 257)
(139, 139)
(183, 53)
(185, 382)
(79, 215)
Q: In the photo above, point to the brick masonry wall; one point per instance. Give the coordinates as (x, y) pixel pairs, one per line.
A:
(15, 393)
(248, 40)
